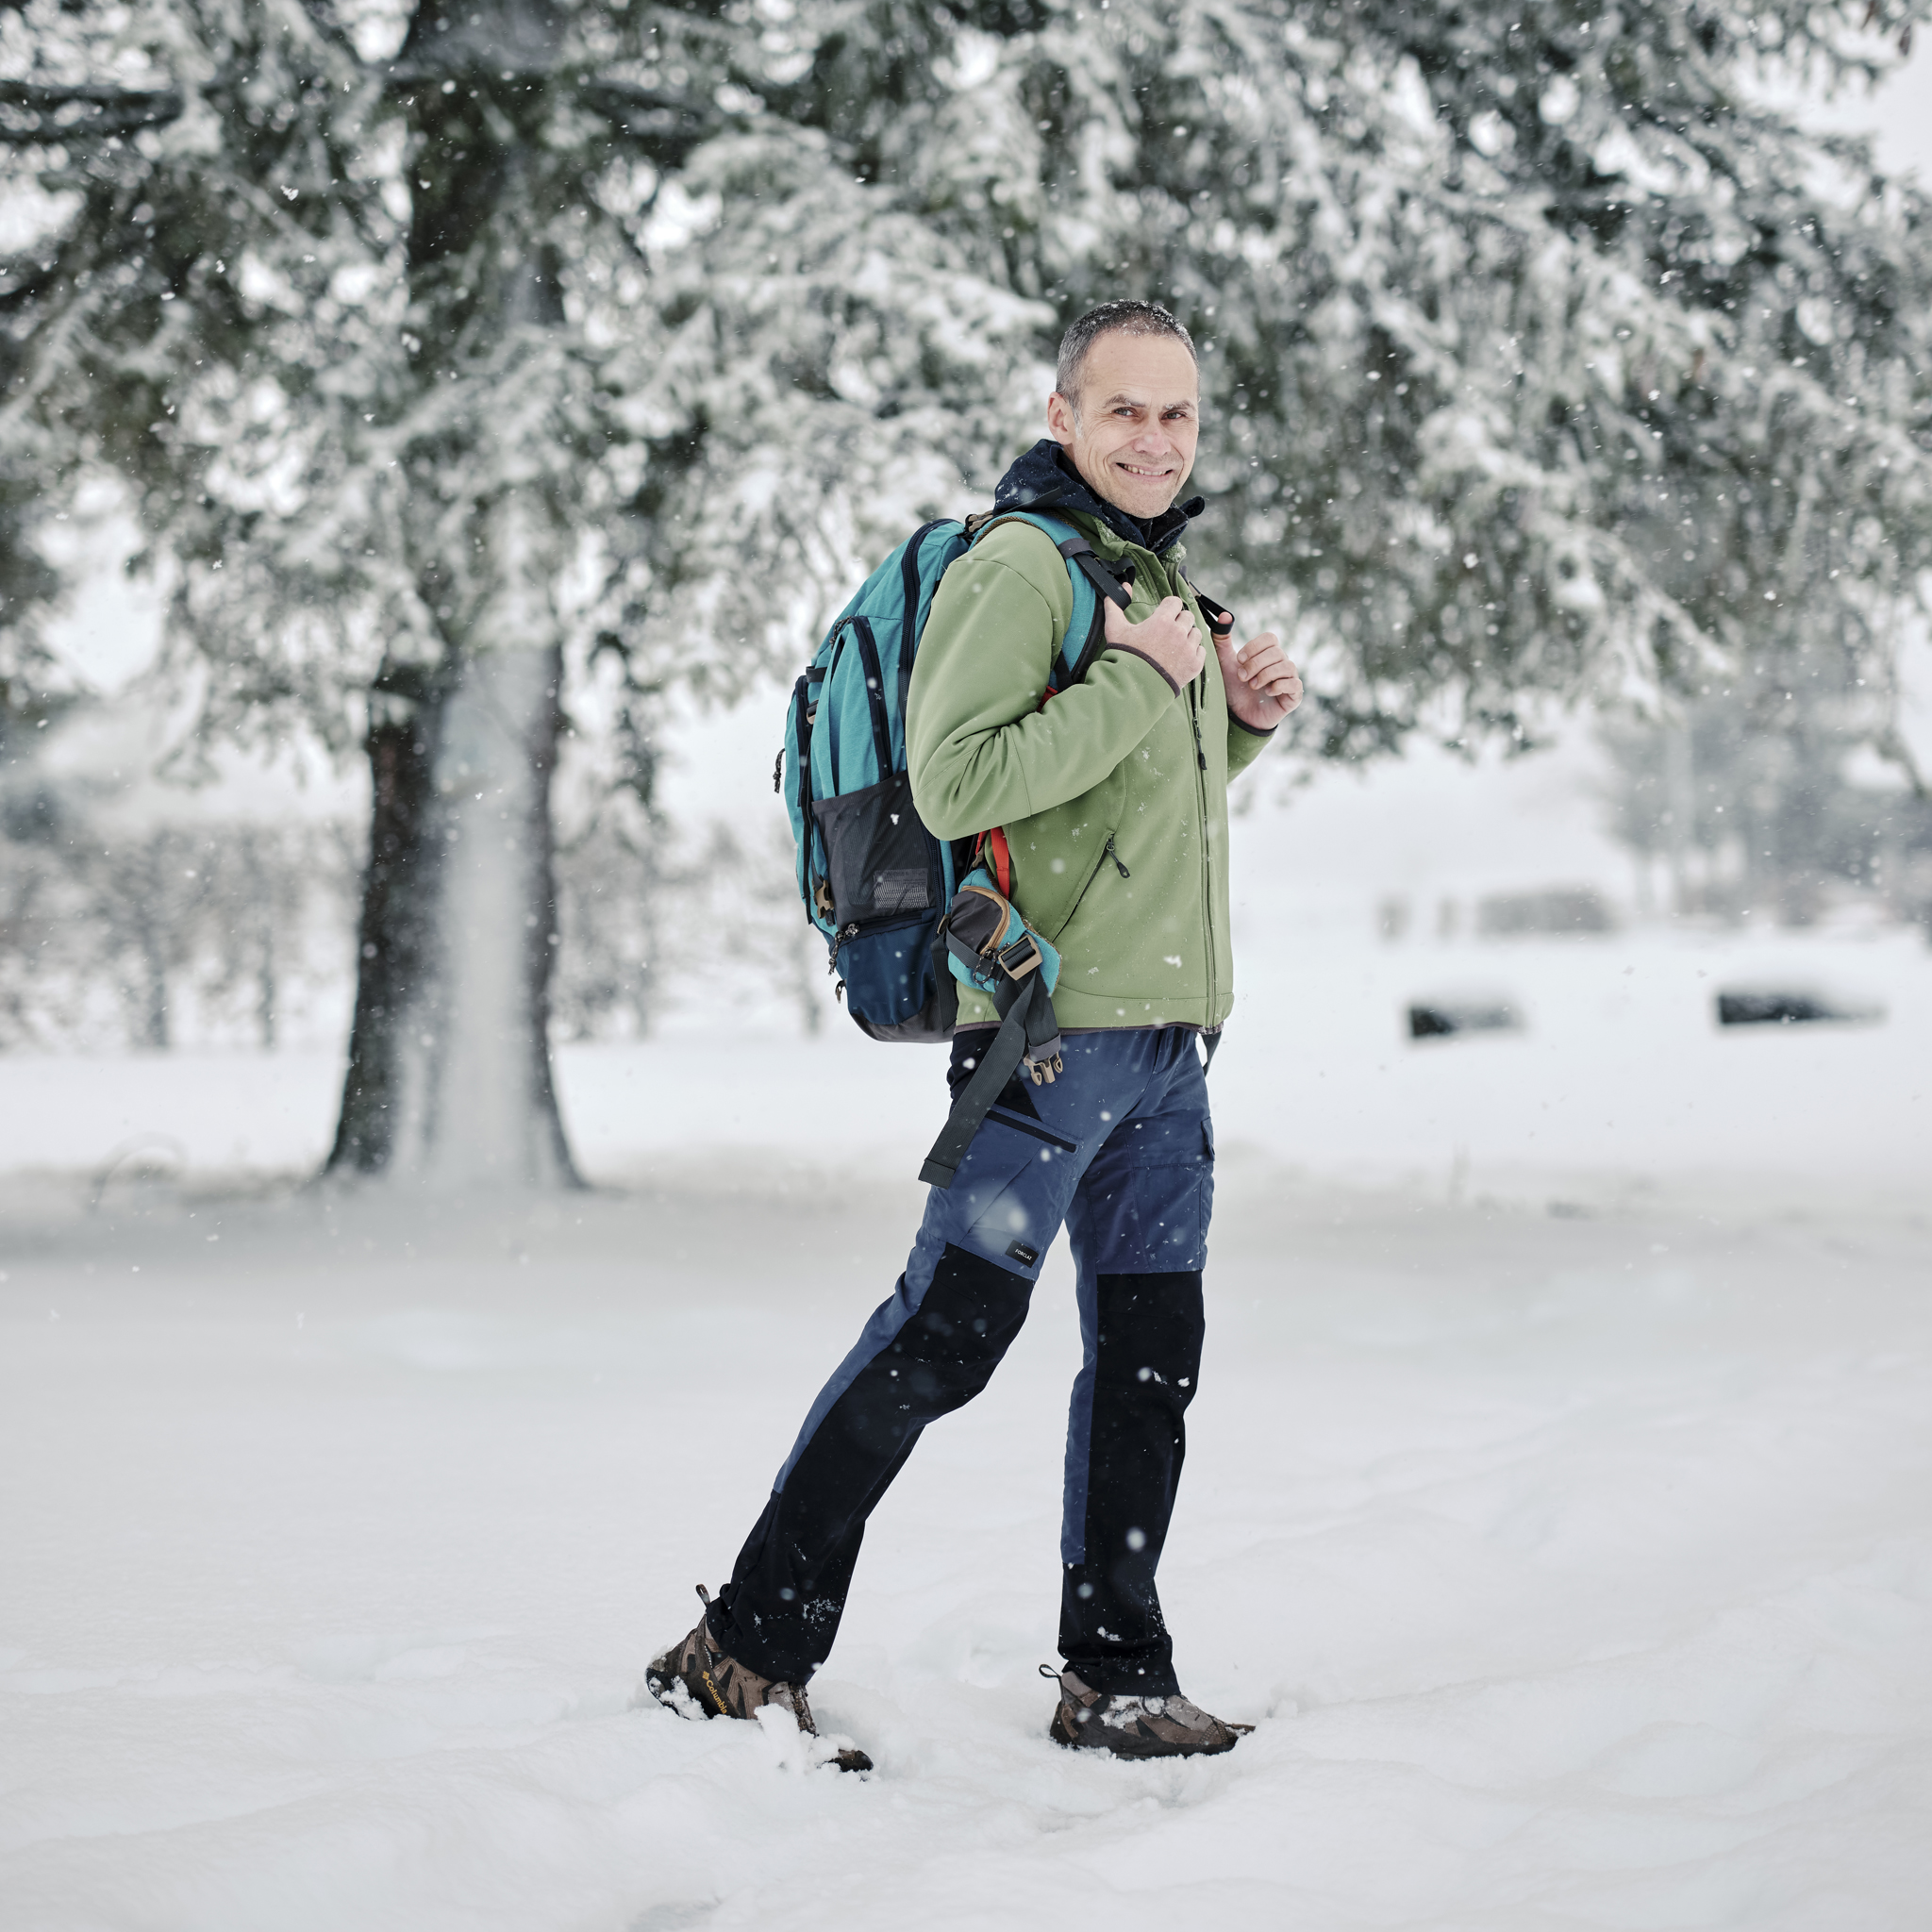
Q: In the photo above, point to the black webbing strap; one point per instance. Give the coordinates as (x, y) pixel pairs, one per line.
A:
(1078, 550)
(1218, 615)
(997, 1067)
(1211, 1045)
(945, 987)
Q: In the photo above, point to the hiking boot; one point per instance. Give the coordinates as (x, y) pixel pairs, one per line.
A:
(695, 1677)
(1136, 1727)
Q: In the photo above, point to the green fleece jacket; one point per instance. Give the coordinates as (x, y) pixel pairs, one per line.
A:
(1114, 797)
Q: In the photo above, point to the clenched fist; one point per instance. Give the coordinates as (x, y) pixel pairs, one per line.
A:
(1166, 636)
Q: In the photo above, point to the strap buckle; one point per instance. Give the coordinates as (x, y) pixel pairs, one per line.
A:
(1020, 958)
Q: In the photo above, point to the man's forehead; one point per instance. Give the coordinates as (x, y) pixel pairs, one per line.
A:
(1124, 368)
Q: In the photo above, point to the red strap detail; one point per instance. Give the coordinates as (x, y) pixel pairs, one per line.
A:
(1002, 860)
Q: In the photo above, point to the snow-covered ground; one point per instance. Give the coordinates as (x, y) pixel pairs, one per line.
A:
(1575, 1570)
(1556, 1502)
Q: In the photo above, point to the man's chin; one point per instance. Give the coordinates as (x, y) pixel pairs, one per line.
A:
(1146, 502)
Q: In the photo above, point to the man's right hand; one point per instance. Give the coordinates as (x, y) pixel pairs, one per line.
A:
(1166, 635)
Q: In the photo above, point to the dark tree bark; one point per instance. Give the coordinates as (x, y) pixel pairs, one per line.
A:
(399, 884)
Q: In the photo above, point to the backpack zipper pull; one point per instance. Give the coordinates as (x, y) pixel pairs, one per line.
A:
(1116, 857)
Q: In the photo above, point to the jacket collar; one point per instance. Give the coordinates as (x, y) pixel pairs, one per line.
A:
(1045, 478)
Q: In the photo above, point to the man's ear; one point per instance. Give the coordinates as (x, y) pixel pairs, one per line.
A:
(1060, 419)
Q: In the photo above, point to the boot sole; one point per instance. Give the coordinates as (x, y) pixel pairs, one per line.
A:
(1116, 1743)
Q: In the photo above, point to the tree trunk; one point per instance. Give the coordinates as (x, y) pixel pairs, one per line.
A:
(449, 1080)
(1680, 798)
(265, 988)
(154, 965)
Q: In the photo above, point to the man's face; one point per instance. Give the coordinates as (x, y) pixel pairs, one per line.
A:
(1139, 420)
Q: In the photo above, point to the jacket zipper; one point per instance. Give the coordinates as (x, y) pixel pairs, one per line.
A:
(1197, 696)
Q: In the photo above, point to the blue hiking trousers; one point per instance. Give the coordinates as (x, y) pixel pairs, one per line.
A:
(1121, 1150)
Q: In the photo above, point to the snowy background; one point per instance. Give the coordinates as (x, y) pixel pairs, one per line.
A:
(1557, 1506)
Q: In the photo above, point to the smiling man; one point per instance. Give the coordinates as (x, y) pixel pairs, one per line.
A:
(1113, 799)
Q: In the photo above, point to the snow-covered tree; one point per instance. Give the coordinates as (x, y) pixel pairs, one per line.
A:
(478, 359)
(394, 327)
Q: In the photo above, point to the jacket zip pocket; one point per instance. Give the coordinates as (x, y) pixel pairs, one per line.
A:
(1106, 852)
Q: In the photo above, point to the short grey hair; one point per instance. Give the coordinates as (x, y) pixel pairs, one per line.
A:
(1128, 318)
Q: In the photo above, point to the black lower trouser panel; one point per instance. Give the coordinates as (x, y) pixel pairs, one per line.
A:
(1142, 1367)
(780, 1611)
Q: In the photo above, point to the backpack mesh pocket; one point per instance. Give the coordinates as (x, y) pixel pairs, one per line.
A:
(878, 859)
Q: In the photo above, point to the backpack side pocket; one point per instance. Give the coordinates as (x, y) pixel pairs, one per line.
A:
(879, 857)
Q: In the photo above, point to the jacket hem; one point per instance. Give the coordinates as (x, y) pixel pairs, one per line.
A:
(966, 1027)
(1079, 1012)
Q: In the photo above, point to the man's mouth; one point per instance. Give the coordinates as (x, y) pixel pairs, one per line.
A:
(1154, 474)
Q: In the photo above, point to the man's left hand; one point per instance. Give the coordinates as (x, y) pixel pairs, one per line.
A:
(1262, 686)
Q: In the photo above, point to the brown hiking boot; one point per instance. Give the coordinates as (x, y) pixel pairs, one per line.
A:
(695, 1678)
(1136, 1727)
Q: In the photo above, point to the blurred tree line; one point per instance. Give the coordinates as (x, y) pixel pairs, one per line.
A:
(131, 916)
(122, 923)
(1786, 817)
(485, 369)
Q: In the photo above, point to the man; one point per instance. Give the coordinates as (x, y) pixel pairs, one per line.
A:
(1113, 798)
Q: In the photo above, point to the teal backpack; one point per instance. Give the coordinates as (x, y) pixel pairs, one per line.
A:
(879, 887)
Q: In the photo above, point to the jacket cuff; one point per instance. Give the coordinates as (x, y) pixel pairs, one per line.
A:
(1253, 731)
(1130, 651)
